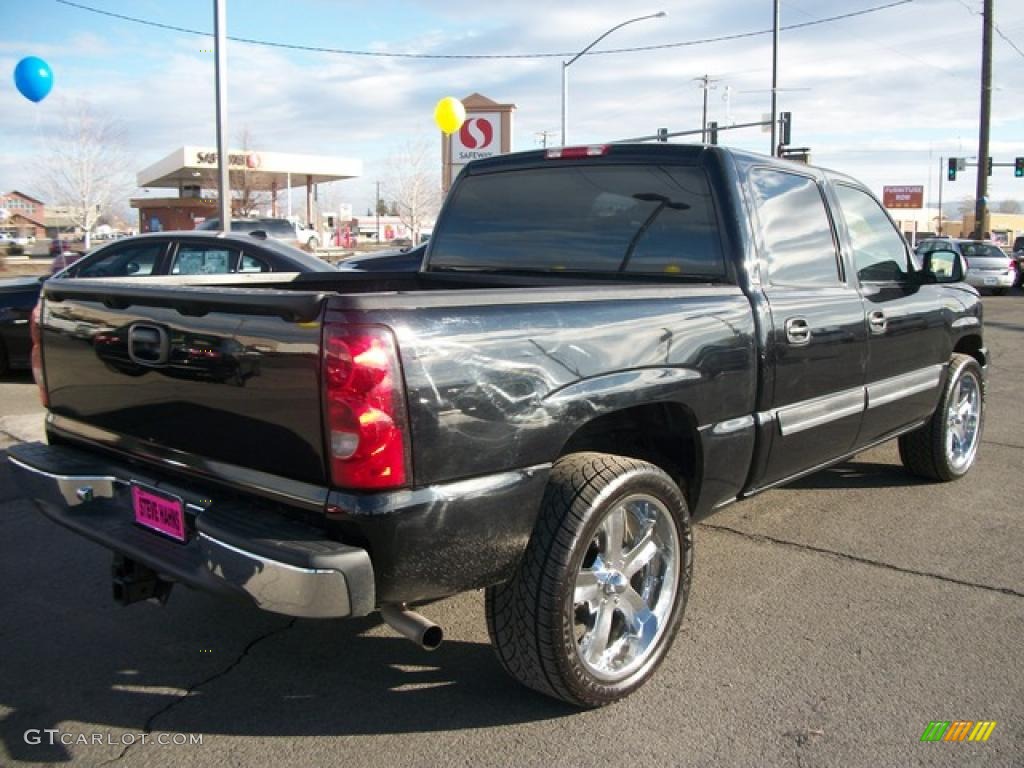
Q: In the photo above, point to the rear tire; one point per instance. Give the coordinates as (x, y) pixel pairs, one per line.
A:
(945, 448)
(600, 592)
(998, 291)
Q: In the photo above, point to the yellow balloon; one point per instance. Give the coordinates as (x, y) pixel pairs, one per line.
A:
(449, 114)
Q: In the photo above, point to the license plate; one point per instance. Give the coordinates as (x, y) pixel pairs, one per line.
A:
(990, 281)
(159, 512)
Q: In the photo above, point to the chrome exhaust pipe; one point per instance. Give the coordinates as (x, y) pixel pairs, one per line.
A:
(422, 631)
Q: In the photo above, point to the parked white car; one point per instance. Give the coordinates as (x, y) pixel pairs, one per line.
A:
(307, 237)
(986, 266)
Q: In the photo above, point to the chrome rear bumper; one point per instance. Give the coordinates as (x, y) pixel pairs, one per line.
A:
(281, 565)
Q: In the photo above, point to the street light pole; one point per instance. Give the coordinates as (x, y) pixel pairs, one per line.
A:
(567, 64)
(775, 76)
(220, 54)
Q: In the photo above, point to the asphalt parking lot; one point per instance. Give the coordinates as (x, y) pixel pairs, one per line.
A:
(829, 623)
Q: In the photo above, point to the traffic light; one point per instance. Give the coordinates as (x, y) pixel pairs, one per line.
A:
(990, 166)
(951, 169)
(787, 128)
(1018, 167)
(713, 132)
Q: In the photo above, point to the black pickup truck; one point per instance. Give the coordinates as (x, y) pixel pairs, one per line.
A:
(603, 343)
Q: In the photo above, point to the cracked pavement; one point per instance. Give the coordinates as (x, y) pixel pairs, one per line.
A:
(829, 622)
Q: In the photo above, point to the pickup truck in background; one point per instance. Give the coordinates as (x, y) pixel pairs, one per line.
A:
(603, 344)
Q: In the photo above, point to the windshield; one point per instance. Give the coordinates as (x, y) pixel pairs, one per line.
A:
(628, 219)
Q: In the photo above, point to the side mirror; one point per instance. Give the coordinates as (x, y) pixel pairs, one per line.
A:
(944, 266)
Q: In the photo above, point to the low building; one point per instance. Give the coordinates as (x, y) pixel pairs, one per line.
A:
(23, 215)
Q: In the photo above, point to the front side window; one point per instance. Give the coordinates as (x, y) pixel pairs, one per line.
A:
(798, 245)
(586, 218)
(203, 260)
(127, 261)
(879, 250)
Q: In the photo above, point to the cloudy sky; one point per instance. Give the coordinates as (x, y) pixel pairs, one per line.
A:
(882, 96)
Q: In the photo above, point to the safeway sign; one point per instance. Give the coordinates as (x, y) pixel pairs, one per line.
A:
(903, 197)
(479, 136)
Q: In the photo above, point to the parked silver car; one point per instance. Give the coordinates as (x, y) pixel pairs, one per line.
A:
(986, 265)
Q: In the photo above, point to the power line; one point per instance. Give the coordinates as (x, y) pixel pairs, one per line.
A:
(994, 26)
(1008, 40)
(401, 55)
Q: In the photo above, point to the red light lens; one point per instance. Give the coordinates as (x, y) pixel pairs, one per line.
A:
(35, 332)
(572, 153)
(364, 408)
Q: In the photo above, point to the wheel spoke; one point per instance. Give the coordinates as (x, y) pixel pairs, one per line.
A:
(597, 638)
(641, 554)
(587, 588)
(614, 529)
(642, 623)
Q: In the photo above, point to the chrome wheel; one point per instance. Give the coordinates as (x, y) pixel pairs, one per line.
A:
(962, 419)
(626, 587)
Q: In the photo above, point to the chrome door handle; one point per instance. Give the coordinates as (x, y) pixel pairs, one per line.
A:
(877, 321)
(797, 331)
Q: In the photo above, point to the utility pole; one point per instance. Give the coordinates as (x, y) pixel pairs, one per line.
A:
(220, 55)
(942, 170)
(705, 85)
(981, 198)
(543, 136)
(775, 75)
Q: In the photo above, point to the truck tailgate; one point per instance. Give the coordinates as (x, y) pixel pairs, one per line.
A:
(223, 375)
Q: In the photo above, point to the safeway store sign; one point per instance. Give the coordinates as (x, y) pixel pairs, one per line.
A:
(479, 136)
(903, 197)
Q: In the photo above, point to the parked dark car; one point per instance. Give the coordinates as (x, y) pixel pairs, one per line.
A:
(1018, 261)
(18, 295)
(193, 253)
(407, 260)
(276, 229)
(603, 344)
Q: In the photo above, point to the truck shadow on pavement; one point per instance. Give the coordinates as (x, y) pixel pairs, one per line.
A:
(857, 474)
(74, 660)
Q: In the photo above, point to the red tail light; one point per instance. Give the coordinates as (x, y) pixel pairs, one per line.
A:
(37, 353)
(574, 153)
(364, 408)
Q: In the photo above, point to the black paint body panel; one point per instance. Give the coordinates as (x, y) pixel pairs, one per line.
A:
(500, 372)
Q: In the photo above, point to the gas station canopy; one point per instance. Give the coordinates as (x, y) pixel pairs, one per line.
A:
(197, 166)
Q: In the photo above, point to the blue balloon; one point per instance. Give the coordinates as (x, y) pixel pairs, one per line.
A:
(34, 78)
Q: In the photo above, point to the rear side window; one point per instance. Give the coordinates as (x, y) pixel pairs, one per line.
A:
(251, 263)
(631, 219)
(797, 241)
(203, 260)
(879, 250)
(124, 261)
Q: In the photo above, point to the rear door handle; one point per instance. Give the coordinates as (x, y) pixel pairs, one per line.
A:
(797, 331)
(877, 321)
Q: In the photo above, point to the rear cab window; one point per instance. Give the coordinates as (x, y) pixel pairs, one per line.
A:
(798, 246)
(625, 219)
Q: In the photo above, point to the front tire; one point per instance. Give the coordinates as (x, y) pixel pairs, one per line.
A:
(599, 595)
(944, 449)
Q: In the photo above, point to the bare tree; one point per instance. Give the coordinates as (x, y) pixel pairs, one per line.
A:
(246, 199)
(414, 184)
(83, 168)
(1008, 206)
